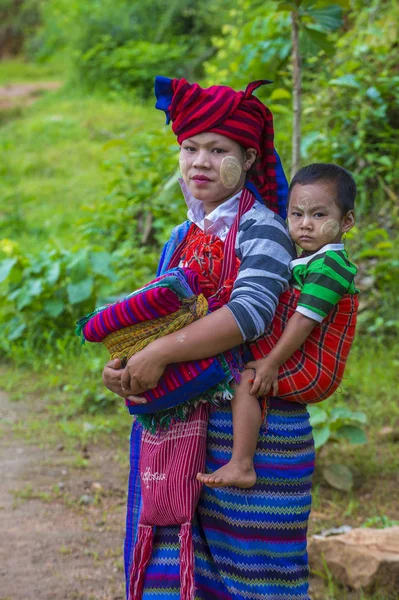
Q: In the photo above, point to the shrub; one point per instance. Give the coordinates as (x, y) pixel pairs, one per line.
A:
(131, 66)
(43, 296)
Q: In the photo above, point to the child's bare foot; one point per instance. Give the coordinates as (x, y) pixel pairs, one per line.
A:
(232, 474)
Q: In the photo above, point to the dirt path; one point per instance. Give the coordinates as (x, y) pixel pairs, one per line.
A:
(23, 94)
(61, 526)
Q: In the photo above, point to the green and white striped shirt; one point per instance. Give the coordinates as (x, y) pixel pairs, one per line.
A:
(323, 278)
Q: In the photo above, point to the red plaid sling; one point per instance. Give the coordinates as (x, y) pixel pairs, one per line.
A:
(316, 369)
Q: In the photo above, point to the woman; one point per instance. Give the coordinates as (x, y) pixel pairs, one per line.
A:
(249, 544)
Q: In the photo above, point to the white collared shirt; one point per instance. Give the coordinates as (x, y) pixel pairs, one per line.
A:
(217, 222)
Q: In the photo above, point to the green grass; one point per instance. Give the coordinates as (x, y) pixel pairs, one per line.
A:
(19, 71)
(55, 163)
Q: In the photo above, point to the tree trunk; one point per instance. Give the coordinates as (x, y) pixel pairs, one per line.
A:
(297, 94)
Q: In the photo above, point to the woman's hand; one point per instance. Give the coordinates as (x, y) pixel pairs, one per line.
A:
(266, 377)
(142, 372)
(112, 379)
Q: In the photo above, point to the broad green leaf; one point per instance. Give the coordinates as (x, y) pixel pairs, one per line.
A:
(24, 299)
(5, 268)
(341, 412)
(312, 40)
(317, 415)
(54, 307)
(17, 332)
(53, 273)
(360, 417)
(347, 80)
(328, 17)
(339, 477)
(34, 287)
(352, 433)
(78, 268)
(78, 292)
(280, 94)
(321, 436)
(101, 264)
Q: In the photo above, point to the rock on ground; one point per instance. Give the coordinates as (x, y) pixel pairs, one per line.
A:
(366, 559)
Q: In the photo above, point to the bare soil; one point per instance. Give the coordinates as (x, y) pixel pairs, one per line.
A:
(23, 94)
(61, 526)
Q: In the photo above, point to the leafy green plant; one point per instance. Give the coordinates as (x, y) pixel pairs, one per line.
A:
(337, 424)
(42, 296)
(131, 66)
(380, 522)
(136, 217)
(375, 250)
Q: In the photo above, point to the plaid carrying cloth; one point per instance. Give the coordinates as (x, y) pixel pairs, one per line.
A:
(316, 369)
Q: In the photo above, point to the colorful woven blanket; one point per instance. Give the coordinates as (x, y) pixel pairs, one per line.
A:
(166, 304)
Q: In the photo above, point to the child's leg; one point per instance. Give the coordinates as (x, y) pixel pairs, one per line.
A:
(240, 471)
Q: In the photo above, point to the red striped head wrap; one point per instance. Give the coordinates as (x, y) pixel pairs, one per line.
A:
(239, 116)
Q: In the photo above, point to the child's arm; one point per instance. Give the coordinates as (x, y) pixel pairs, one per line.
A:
(296, 332)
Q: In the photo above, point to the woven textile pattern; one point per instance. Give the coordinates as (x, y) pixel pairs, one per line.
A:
(163, 296)
(129, 340)
(249, 544)
(315, 370)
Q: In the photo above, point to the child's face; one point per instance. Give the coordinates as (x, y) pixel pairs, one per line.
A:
(314, 218)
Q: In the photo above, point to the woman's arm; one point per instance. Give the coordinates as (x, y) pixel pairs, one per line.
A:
(265, 250)
(206, 337)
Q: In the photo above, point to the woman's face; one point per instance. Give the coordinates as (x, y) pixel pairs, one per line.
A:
(214, 167)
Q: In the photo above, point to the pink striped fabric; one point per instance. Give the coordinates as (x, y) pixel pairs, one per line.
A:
(143, 305)
(169, 463)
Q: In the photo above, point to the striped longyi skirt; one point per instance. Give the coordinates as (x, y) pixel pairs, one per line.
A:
(249, 544)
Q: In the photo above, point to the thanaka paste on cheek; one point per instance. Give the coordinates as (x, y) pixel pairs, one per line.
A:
(230, 171)
(330, 229)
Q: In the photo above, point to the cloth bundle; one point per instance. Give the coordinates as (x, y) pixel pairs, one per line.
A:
(166, 304)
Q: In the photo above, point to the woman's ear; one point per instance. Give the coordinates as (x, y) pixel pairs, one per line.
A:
(250, 157)
(348, 221)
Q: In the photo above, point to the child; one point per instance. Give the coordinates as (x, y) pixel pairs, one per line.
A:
(320, 210)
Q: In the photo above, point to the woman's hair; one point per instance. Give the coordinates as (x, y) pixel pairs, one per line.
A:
(327, 172)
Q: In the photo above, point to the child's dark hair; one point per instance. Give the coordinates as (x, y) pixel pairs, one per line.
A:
(328, 172)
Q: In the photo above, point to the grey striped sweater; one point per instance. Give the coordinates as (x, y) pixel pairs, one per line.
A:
(265, 250)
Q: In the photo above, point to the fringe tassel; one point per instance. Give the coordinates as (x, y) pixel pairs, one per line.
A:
(187, 589)
(82, 322)
(163, 419)
(141, 558)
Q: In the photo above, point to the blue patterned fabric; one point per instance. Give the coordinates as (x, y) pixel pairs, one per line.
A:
(249, 544)
(177, 236)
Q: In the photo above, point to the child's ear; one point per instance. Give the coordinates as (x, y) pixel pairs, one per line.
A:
(348, 221)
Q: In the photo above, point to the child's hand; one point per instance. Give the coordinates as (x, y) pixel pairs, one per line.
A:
(266, 377)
